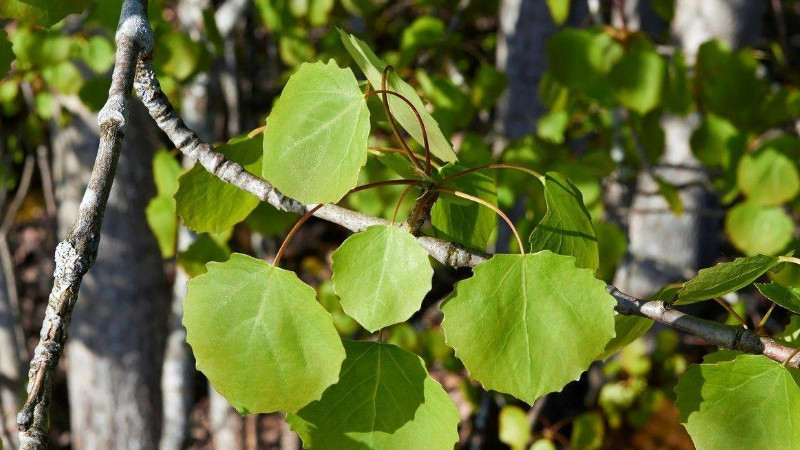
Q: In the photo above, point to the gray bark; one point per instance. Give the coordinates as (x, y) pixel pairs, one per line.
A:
(119, 323)
(664, 247)
(10, 370)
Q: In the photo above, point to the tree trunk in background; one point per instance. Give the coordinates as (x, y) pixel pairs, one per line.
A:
(663, 247)
(119, 325)
(10, 370)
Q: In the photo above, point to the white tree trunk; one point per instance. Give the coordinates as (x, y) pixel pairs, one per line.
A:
(664, 247)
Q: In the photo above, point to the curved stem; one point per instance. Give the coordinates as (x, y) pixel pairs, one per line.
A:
(733, 313)
(400, 202)
(766, 316)
(311, 211)
(490, 206)
(493, 166)
(422, 128)
(377, 150)
(789, 259)
(292, 232)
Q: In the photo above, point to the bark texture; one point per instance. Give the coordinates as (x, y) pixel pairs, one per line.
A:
(119, 323)
(664, 247)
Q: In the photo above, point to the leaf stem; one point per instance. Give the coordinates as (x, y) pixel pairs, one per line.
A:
(400, 202)
(789, 359)
(766, 316)
(730, 310)
(427, 146)
(490, 206)
(311, 211)
(789, 259)
(493, 166)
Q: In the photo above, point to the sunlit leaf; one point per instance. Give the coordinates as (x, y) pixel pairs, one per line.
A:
(41, 12)
(515, 429)
(528, 325)
(756, 229)
(638, 79)
(260, 336)
(316, 137)
(749, 402)
(381, 275)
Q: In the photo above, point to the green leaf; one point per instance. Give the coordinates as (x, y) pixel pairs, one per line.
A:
(487, 86)
(611, 246)
(515, 429)
(270, 221)
(717, 142)
(208, 204)
(423, 32)
(728, 83)
(628, 329)
(6, 54)
(41, 12)
(178, 55)
(637, 80)
(725, 278)
(769, 176)
(510, 321)
(94, 92)
(755, 229)
(384, 400)
(373, 68)
(295, 47)
(467, 223)
(202, 251)
(749, 402)
(161, 212)
(588, 431)
(315, 142)
(566, 229)
(559, 9)
(98, 54)
(260, 336)
(670, 194)
(381, 275)
(787, 297)
(579, 58)
(64, 77)
(552, 126)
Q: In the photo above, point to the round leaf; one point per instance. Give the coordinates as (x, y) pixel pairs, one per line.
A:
(638, 80)
(527, 325)
(755, 229)
(208, 204)
(316, 137)
(260, 336)
(768, 177)
(381, 275)
(385, 400)
(749, 402)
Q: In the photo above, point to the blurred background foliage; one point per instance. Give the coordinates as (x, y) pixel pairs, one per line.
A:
(606, 90)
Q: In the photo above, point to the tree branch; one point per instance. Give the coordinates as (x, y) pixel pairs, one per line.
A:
(77, 252)
(447, 253)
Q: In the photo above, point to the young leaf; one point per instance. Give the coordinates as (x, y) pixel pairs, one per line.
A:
(381, 275)
(725, 278)
(749, 402)
(788, 297)
(208, 204)
(528, 324)
(373, 67)
(260, 336)
(203, 250)
(566, 228)
(384, 399)
(467, 223)
(745, 225)
(315, 142)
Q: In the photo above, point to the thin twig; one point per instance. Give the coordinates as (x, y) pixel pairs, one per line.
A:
(730, 310)
(493, 166)
(43, 161)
